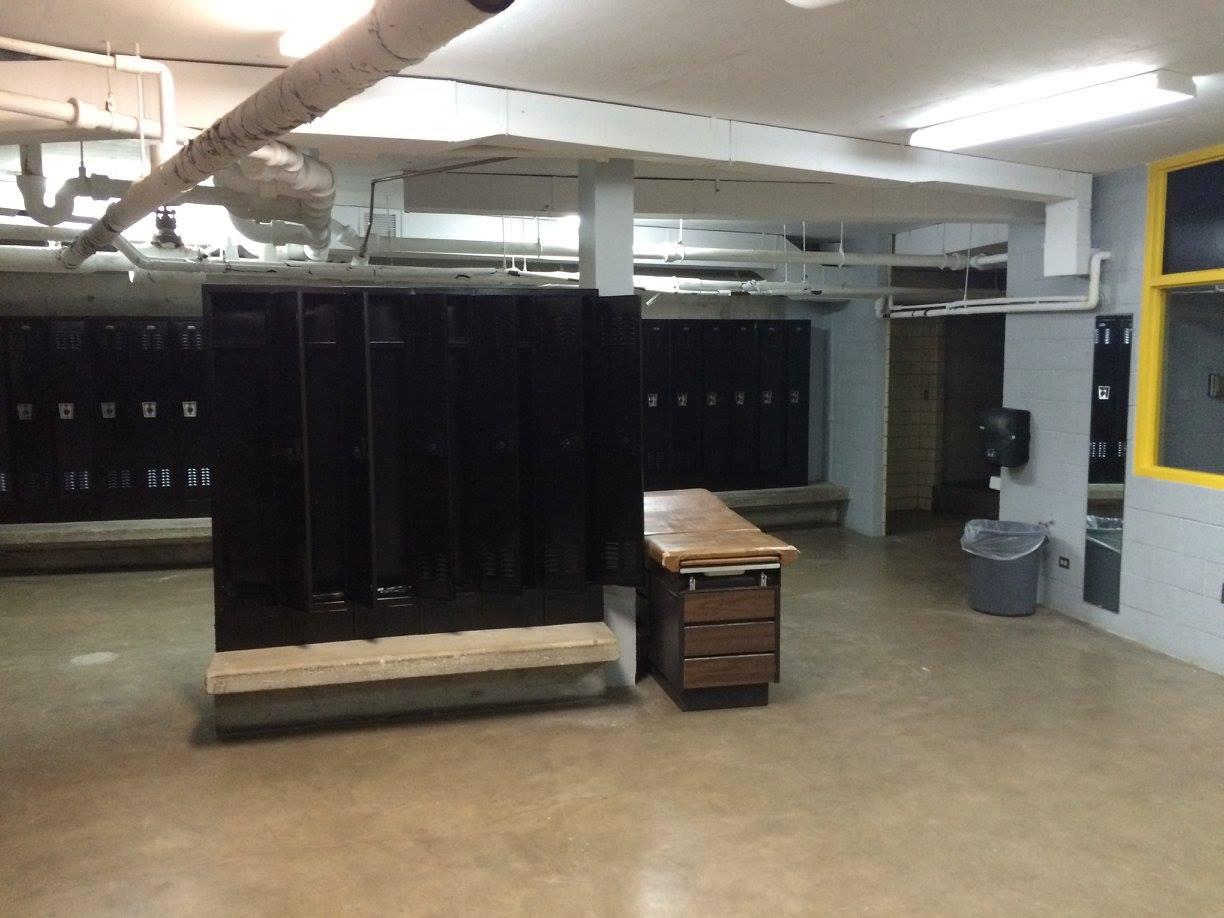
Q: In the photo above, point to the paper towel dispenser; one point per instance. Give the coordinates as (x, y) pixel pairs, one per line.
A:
(1006, 435)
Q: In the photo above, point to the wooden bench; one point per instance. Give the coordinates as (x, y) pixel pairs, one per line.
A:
(715, 601)
(277, 687)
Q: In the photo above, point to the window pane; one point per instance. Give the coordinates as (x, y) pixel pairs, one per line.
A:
(1194, 219)
(1192, 416)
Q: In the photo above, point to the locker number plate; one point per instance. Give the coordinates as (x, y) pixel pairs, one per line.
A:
(67, 411)
(25, 411)
(148, 409)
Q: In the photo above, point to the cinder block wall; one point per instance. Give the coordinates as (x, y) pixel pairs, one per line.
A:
(1173, 549)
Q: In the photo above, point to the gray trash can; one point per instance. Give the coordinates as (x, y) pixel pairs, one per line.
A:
(1103, 562)
(1004, 565)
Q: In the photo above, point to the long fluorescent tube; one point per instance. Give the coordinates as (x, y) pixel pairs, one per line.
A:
(1080, 106)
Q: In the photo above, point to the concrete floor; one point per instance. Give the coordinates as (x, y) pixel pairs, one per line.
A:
(918, 758)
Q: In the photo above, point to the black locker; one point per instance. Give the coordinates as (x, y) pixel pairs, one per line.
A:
(71, 391)
(259, 494)
(489, 434)
(1110, 399)
(685, 400)
(326, 456)
(150, 420)
(615, 444)
(391, 462)
(656, 404)
(716, 400)
(744, 449)
(188, 408)
(555, 491)
(115, 409)
(772, 414)
(6, 466)
(433, 510)
(798, 401)
(377, 340)
(32, 417)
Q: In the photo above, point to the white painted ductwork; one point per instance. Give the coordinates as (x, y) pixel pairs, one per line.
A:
(1006, 305)
(394, 35)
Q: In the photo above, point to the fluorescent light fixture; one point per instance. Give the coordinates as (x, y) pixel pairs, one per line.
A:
(1079, 106)
(317, 24)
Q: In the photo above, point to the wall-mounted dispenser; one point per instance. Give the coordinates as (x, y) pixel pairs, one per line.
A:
(1006, 435)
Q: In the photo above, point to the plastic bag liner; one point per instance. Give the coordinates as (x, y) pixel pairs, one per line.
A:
(1105, 531)
(999, 540)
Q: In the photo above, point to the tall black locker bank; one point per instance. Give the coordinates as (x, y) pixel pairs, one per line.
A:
(102, 418)
(396, 462)
(726, 403)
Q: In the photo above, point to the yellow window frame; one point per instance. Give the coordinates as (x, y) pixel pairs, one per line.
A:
(1157, 287)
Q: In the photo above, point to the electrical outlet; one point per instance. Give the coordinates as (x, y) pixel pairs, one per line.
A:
(1064, 562)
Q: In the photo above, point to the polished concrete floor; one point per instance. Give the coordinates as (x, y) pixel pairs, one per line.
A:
(917, 758)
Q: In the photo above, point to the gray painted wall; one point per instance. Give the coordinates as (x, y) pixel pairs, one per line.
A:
(858, 396)
(1173, 551)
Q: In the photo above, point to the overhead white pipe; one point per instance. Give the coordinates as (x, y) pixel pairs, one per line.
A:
(952, 261)
(394, 35)
(167, 107)
(1016, 304)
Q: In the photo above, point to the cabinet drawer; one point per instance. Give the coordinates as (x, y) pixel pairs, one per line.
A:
(712, 672)
(730, 605)
(717, 640)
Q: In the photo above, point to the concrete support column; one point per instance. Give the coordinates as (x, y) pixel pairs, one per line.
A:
(605, 235)
(605, 263)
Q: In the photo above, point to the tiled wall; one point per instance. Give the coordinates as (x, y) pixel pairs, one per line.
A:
(915, 412)
(1173, 550)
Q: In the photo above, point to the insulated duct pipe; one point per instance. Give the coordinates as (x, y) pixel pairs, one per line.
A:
(1013, 304)
(125, 63)
(394, 35)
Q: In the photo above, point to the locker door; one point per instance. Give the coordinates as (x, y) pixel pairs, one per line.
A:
(190, 415)
(31, 419)
(431, 504)
(556, 435)
(656, 404)
(6, 435)
(745, 399)
(114, 409)
(798, 401)
(1111, 399)
(715, 404)
(259, 503)
(72, 391)
(151, 419)
(771, 423)
(386, 467)
(324, 408)
(490, 438)
(685, 403)
(614, 445)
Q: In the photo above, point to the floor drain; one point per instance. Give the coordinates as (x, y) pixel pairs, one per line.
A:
(93, 659)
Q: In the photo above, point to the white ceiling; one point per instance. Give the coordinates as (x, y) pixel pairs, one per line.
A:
(865, 68)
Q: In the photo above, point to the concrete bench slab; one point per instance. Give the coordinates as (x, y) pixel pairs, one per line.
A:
(410, 657)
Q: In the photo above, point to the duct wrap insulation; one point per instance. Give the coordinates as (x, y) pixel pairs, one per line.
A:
(396, 34)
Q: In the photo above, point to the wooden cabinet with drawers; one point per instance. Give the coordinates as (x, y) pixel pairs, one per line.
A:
(715, 634)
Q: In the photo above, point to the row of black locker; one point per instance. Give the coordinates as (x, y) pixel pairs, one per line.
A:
(102, 418)
(726, 403)
(395, 462)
